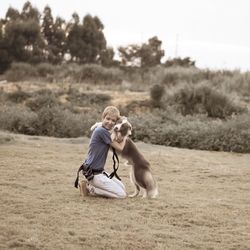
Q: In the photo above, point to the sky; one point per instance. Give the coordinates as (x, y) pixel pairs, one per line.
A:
(213, 33)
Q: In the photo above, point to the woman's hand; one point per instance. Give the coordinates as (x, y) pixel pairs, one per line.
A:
(119, 143)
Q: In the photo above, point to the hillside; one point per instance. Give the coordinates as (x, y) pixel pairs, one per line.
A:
(204, 200)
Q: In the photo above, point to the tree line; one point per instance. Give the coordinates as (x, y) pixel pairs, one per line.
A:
(33, 37)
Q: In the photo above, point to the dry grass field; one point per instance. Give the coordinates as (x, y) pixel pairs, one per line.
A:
(204, 200)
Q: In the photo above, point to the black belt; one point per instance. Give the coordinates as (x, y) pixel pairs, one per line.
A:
(95, 172)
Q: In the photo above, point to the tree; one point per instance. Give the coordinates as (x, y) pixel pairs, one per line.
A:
(74, 42)
(93, 37)
(86, 42)
(147, 55)
(5, 58)
(59, 41)
(12, 14)
(29, 12)
(130, 55)
(23, 34)
(185, 62)
(107, 57)
(151, 53)
(47, 25)
(54, 36)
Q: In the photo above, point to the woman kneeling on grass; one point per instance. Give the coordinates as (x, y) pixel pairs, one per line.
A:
(99, 183)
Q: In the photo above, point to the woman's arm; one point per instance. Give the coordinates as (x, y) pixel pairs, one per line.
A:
(118, 145)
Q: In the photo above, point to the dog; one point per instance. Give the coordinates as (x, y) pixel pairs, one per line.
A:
(140, 174)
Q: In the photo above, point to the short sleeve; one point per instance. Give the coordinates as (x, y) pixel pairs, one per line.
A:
(104, 135)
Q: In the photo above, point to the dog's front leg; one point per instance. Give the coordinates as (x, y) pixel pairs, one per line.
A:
(113, 136)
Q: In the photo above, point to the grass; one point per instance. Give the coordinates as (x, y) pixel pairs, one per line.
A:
(202, 204)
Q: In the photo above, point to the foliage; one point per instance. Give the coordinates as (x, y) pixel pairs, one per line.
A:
(156, 94)
(193, 132)
(42, 99)
(147, 55)
(86, 41)
(17, 96)
(203, 99)
(97, 74)
(18, 119)
(54, 36)
(202, 110)
(182, 62)
(20, 72)
(85, 99)
(31, 37)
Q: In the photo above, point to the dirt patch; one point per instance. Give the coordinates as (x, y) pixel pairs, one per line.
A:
(204, 200)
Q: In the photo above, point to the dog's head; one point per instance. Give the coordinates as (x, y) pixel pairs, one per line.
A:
(123, 128)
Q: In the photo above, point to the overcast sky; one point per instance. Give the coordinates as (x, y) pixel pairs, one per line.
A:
(214, 33)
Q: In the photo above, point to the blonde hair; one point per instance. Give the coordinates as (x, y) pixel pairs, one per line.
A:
(111, 110)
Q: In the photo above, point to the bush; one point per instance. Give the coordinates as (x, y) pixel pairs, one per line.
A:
(156, 94)
(20, 72)
(42, 99)
(193, 132)
(97, 74)
(58, 122)
(203, 99)
(53, 121)
(89, 99)
(18, 119)
(17, 96)
(45, 69)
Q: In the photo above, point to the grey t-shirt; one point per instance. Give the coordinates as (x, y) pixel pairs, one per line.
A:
(98, 148)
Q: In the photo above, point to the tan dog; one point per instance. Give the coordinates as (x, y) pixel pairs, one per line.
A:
(140, 174)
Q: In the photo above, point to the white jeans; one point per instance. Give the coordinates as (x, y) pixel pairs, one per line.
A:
(104, 186)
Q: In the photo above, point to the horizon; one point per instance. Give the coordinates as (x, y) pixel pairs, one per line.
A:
(213, 37)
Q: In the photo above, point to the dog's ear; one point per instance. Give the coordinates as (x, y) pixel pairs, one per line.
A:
(123, 119)
(130, 126)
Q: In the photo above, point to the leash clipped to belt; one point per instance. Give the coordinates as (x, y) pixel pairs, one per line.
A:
(115, 160)
(87, 172)
(81, 168)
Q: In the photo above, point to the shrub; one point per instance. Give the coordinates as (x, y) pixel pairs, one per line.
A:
(156, 94)
(87, 99)
(17, 96)
(42, 99)
(192, 132)
(183, 62)
(53, 121)
(98, 74)
(20, 72)
(18, 119)
(204, 99)
(58, 122)
(45, 69)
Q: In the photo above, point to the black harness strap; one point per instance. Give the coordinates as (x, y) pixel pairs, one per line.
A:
(77, 176)
(87, 172)
(115, 159)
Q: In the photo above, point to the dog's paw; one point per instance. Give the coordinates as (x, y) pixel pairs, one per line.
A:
(133, 195)
(97, 124)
